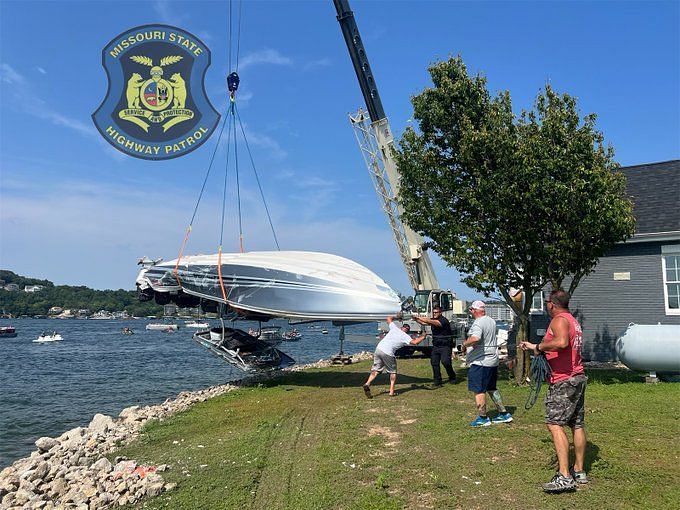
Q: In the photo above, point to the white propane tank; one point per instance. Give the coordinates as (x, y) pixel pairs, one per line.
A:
(654, 348)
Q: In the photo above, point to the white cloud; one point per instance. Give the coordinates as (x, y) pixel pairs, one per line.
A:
(266, 56)
(30, 103)
(41, 70)
(96, 232)
(264, 142)
(10, 76)
(313, 64)
(168, 15)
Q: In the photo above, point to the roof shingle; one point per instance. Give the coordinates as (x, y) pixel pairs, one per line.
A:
(655, 191)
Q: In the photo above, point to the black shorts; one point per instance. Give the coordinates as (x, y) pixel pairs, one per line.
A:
(482, 379)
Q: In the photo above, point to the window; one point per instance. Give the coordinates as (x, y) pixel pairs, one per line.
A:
(670, 264)
(445, 301)
(537, 303)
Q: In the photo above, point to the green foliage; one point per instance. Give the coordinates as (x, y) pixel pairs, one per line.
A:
(68, 297)
(510, 201)
(21, 281)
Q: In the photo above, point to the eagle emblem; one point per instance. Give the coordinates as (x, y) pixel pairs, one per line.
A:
(156, 107)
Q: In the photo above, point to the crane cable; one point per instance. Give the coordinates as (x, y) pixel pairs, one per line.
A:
(198, 201)
(233, 81)
(233, 117)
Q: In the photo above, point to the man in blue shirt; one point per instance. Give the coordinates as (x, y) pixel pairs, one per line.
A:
(384, 358)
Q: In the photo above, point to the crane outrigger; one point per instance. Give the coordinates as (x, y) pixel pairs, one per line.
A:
(375, 139)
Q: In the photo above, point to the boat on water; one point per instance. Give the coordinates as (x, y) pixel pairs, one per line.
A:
(45, 338)
(127, 331)
(243, 350)
(270, 334)
(7, 332)
(263, 285)
(324, 331)
(196, 325)
(292, 336)
(162, 327)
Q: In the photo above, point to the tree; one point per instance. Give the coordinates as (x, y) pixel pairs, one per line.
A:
(511, 201)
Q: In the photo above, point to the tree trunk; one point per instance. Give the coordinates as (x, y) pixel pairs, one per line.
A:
(523, 359)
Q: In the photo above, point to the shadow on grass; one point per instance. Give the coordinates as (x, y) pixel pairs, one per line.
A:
(337, 379)
(592, 454)
(614, 376)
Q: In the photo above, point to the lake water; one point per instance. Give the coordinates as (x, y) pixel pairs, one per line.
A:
(46, 389)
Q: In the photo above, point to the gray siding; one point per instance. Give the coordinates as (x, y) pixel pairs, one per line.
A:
(605, 307)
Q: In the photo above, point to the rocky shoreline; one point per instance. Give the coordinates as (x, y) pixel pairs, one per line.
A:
(72, 471)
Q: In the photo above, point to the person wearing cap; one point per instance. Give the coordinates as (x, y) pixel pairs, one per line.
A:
(482, 358)
(442, 344)
(384, 357)
(565, 402)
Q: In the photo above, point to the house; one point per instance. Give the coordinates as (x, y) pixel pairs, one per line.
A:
(55, 310)
(499, 311)
(33, 288)
(12, 287)
(638, 281)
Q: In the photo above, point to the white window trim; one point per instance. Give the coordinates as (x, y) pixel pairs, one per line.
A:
(537, 311)
(670, 249)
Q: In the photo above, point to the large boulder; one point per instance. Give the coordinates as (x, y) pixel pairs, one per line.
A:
(101, 424)
(130, 413)
(46, 443)
(102, 464)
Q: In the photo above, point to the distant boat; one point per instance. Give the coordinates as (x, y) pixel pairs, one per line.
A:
(196, 324)
(127, 331)
(7, 332)
(243, 350)
(324, 331)
(271, 334)
(162, 327)
(292, 336)
(43, 338)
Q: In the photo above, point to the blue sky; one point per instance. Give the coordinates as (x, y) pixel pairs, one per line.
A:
(75, 211)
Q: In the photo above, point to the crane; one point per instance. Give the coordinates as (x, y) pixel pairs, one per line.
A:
(374, 136)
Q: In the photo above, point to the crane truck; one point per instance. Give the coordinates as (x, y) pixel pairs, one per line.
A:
(376, 142)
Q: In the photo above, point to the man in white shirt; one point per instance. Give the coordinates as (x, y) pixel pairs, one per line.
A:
(384, 357)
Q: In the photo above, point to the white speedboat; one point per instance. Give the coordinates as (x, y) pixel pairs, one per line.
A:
(43, 338)
(267, 284)
(162, 327)
(196, 324)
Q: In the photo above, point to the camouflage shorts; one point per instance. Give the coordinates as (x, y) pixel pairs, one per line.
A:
(564, 404)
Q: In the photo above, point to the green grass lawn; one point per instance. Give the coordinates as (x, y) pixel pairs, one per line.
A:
(311, 440)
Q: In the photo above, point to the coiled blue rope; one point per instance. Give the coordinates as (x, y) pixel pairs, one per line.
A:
(539, 371)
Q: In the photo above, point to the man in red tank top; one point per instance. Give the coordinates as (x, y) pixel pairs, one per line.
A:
(564, 404)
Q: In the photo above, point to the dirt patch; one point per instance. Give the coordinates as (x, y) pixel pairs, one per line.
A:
(407, 422)
(391, 437)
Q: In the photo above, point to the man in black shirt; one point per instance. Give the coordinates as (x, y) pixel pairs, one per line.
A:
(442, 344)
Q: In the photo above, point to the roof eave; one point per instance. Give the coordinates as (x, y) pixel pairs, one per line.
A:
(649, 237)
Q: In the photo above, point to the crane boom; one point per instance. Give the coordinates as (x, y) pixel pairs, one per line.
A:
(375, 139)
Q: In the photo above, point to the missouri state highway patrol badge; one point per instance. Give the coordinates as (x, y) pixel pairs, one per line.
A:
(156, 106)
